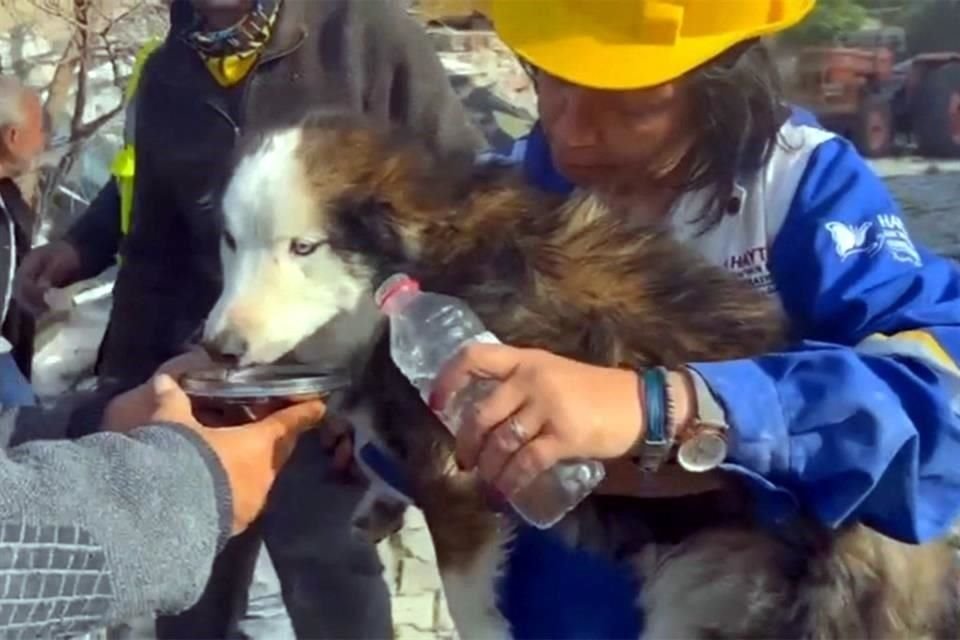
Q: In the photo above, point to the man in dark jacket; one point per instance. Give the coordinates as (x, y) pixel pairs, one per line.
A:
(227, 68)
(22, 138)
(18, 326)
(363, 55)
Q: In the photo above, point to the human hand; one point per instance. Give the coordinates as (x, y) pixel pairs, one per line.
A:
(251, 454)
(545, 409)
(137, 407)
(53, 265)
(336, 436)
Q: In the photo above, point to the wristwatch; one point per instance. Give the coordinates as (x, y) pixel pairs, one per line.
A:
(702, 443)
(699, 444)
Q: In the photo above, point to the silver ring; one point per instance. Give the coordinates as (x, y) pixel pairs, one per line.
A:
(517, 430)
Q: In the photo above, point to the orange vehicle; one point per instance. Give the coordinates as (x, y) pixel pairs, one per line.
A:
(866, 91)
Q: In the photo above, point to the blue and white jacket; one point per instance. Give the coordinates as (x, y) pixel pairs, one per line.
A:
(858, 421)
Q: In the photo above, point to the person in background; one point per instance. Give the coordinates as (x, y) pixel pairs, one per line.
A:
(22, 139)
(226, 69)
(671, 112)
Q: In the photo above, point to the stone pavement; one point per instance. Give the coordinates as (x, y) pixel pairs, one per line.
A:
(419, 609)
(931, 203)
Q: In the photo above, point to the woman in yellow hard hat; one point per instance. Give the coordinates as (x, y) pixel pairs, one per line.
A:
(671, 111)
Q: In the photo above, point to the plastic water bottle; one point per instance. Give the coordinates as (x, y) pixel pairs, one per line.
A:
(426, 330)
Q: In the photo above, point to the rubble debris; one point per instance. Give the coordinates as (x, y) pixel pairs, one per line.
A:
(489, 79)
(463, 14)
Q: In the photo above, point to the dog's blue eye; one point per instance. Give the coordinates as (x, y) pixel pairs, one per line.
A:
(302, 248)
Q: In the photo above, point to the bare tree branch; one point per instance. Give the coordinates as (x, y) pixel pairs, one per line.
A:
(63, 77)
(82, 38)
(104, 36)
(95, 19)
(53, 10)
(87, 129)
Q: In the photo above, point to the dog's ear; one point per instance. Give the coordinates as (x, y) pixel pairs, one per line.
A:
(366, 225)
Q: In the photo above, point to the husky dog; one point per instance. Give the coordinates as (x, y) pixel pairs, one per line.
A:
(317, 215)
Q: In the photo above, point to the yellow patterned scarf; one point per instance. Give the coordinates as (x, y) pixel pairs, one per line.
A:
(230, 54)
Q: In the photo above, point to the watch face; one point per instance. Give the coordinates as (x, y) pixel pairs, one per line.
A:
(703, 452)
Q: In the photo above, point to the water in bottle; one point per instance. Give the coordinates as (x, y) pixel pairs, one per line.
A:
(426, 330)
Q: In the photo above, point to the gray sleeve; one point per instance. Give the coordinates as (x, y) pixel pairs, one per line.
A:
(409, 85)
(100, 529)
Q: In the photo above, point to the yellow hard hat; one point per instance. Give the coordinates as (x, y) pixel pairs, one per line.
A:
(631, 44)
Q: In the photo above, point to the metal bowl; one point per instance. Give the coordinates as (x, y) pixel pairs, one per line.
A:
(253, 385)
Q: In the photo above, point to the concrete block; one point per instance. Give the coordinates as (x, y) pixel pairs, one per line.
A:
(417, 543)
(418, 576)
(391, 557)
(415, 611)
(413, 520)
(406, 632)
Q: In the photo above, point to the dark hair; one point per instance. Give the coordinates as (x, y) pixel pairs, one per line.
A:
(739, 96)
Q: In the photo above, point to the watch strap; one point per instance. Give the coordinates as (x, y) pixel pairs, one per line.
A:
(709, 410)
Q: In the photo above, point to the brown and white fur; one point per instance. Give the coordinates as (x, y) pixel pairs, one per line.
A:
(317, 215)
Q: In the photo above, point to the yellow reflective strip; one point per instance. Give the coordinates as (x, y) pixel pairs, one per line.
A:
(921, 346)
(123, 162)
(919, 338)
(138, 62)
(123, 170)
(126, 204)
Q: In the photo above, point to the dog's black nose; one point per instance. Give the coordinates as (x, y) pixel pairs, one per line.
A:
(226, 348)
